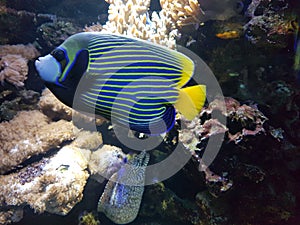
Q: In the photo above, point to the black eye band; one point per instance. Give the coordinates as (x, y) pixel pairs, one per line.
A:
(58, 54)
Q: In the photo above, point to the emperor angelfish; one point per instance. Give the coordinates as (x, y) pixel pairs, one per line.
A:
(129, 81)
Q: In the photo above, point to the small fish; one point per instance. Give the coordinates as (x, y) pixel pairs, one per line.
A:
(228, 34)
(130, 81)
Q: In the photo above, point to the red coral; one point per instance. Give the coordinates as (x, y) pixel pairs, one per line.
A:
(242, 120)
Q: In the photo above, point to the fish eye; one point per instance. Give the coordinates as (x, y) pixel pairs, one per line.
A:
(58, 54)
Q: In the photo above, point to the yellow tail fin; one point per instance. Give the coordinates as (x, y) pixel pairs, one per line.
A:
(191, 100)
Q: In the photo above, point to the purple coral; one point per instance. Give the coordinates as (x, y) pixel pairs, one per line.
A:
(31, 172)
(242, 120)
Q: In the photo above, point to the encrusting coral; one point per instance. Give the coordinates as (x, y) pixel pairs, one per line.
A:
(244, 120)
(52, 107)
(53, 184)
(13, 62)
(23, 137)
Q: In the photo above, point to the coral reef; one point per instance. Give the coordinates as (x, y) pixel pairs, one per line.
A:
(28, 51)
(53, 33)
(243, 121)
(13, 69)
(54, 184)
(243, 165)
(88, 218)
(52, 107)
(13, 62)
(270, 24)
(131, 17)
(160, 201)
(48, 165)
(11, 216)
(123, 193)
(24, 137)
(21, 100)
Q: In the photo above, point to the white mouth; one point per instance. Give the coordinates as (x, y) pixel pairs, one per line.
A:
(48, 68)
(37, 64)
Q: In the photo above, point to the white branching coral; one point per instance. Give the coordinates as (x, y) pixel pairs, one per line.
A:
(182, 12)
(128, 17)
(131, 18)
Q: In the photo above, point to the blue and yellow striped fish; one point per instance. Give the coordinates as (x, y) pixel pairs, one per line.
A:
(129, 81)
